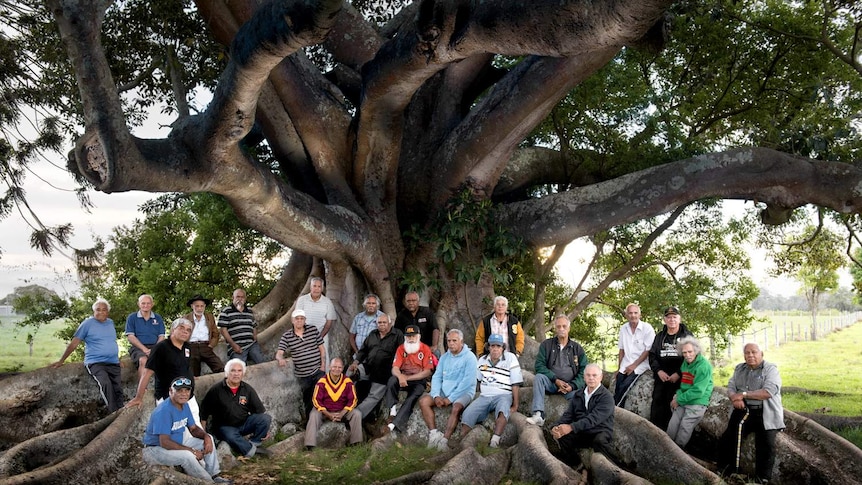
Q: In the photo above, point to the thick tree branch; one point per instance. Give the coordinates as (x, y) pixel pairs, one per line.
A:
(746, 173)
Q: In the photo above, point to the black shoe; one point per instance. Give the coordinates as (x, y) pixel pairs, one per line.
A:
(261, 451)
(309, 448)
(224, 480)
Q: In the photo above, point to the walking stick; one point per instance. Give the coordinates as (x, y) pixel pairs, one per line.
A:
(629, 389)
(739, 438)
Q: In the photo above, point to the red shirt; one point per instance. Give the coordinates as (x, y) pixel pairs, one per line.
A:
(414, 363)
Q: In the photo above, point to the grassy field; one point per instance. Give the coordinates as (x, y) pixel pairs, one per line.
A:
(15, 352)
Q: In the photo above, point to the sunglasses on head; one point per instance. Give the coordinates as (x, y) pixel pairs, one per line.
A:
(182, 381)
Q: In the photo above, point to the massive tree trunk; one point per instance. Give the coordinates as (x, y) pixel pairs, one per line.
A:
(414, 122)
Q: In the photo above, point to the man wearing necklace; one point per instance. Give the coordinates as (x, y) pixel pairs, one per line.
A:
(235, 411)
(665, 361)
(334, 399)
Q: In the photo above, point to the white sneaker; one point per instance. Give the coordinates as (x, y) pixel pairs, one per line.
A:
(536, 419)
(433, 437)
(495, 442)
(443, 443)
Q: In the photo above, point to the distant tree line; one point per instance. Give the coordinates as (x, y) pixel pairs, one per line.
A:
(842, 299)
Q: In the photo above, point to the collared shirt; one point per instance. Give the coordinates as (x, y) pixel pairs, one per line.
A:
(362, 325)
(316, 312)
(200, 333)
(305, 350)
(240, 325)
(500, 328)
(588, 395)
(497, 378)
(146, 330)
(764, 376)
(636, 343)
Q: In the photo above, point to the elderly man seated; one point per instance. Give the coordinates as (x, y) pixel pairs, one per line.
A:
(589, 420)
(165, 443)
(334, 399)
(236, 412)
(499, 383)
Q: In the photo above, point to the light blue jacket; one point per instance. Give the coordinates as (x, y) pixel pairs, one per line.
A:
(455, 375)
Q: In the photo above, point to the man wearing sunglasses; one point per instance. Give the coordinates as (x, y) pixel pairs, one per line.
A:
(165, 441)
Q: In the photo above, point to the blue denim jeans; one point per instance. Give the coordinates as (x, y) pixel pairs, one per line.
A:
(541, 386)
(256, 425)
(156, 455)
(254, 353)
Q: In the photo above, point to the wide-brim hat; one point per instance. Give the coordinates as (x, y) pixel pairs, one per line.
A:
(197, 297)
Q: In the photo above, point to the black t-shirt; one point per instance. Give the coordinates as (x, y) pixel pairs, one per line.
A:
(168, 362)
(424, 319)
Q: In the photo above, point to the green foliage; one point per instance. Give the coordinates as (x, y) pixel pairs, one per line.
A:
(698, 265)
(186, 244)
(467, 242)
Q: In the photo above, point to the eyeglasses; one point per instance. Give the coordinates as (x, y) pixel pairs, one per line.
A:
(182, 381)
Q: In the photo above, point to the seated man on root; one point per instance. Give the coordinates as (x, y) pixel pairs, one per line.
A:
(334, 398)
(235, 411)
(560, 365)
(500, 380)
(589, 420)
(164, 441)
(411, 369)
(374, 362)
(453, 384)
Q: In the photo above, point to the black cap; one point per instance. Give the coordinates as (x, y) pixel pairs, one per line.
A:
(671, 310)
(411, 330)
(181, 383)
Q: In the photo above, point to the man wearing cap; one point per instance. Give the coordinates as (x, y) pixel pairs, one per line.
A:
(334, 399)
(101, 353)
(453, 384)
(500, 381)
(665, 360)
(239, 329)
(169, 359)
(235, 411)
(319, 310)
(589, 420)
(560, 367)
(305, 345)
(144, 329)
(422, 317)
(636, 338)
(411, 369)
(374, 360)
(167, 443)
(205, 336)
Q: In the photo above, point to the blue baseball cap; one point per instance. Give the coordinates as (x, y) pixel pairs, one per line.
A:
(496, 339)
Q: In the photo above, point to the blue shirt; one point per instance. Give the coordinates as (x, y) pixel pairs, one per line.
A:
(101, 341)
(362, 325)
(167, 419)
(455, 375)
(147, 330)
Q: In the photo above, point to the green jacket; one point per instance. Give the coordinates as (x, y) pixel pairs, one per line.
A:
(696, 382)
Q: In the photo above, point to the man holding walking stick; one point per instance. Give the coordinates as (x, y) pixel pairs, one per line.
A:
(755, 393)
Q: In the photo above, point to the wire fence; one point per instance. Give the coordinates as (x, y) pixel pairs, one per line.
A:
(788, 329)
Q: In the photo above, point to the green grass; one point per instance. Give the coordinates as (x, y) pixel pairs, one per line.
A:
(15, 353)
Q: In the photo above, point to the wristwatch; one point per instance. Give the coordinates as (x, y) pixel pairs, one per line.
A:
(744, 394)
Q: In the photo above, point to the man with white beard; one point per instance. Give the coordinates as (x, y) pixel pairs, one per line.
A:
(411, 369)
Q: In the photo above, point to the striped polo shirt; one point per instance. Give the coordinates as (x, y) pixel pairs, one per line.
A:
(239, 324)
(305, 350)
